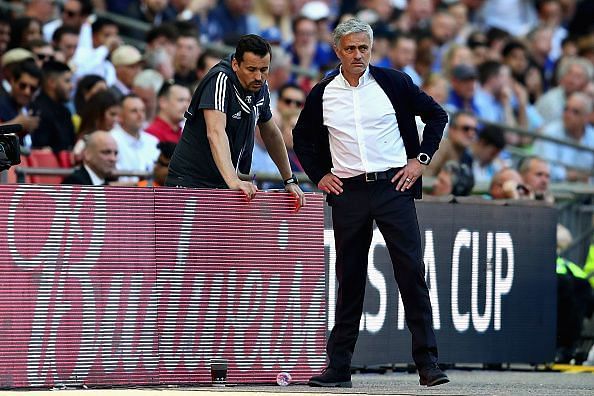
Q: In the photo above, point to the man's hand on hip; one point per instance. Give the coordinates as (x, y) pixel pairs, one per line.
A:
(407, 176)
(247, 188)
(295, 190)
(330, 184)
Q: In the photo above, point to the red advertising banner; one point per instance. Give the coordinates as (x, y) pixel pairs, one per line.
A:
(116, 286)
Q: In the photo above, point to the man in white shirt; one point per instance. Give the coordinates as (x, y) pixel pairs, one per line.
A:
(357, 139)
(137, 149)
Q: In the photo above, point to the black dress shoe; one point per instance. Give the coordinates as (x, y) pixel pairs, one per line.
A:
(432, 375)
(331, 377)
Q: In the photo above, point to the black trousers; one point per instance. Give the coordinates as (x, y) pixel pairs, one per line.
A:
(394, 212)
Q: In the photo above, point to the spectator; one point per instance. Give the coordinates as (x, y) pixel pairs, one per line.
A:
(127, 61)
(231, 19)
(4, 34)
(455, 147)
(416, 15)
(65, 40)
(187, 51)
(443, 28)
(153, 12)
(87, 87)
(161, 168)
(493, 99)
(574, 75)
(456, 54)
(508, 184)
(105, 39)
(55, 127)
(550, 14)
(485, 154)
(462, 91)
(99, 161)
(478, 44)
(44, 10)
(279, 73)
(516, 56)
(402, 55)
(536, 174)
(540, 44)
(15, 107)
(101, 112)
(23, 30)
(43, 51)
(573, 126)
(10, 61)
(173, 101)
(454, 178)
(436, 86)
(275, 14)
(160, 61)
(75, 16)
(137, 150)
(163, 37)
(146, 85)
(205, 62)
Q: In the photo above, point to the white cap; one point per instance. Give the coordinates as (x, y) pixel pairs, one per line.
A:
(125, 55)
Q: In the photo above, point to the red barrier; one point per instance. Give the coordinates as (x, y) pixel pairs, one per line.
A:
(116, 286)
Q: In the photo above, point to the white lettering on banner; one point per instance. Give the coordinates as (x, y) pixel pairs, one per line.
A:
(481, 322)
(503, 284)
(431, 277)
(172, 280)
(374, 322)
(495, 252)
(54, 258)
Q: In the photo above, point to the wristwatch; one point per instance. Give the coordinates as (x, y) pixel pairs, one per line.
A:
(424, 158)
(291, 180)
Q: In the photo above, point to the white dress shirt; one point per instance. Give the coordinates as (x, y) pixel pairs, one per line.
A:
(135, 154)
(96, 180)
(364, 133)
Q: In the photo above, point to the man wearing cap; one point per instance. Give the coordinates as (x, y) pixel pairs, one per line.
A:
(463, 82)
(218, 138)
(10, 60)
(127, 61)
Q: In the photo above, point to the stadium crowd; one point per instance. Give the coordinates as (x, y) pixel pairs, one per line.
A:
(103, 96)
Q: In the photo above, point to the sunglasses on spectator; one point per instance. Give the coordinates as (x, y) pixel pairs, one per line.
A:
(289, 101)
(44, 57)
(22, 86)
(467, 128)
(573, 110)
(70, 13)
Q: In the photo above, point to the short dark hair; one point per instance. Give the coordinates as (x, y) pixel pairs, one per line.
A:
(100, 23)
(254, 44)
(488, 69)
(83, 86)
(201, 62)
(289, 85)
(86, 7)
(493, 135)
(167, 30)
(512, 45)
(61, 31)
(26, 67)
(128, 96)
(166, 88)
(54, 68)
(458, 114)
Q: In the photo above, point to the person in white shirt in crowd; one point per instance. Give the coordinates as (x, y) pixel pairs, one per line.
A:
(127, 61)
(146, 85)
(569, 163)
(574, 74)
(94, 60)
(75, 14)
(65, 40)
(137, 149)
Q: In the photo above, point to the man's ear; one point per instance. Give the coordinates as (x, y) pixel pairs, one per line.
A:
(234, 64)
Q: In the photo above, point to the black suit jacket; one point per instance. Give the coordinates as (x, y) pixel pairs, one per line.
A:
(79, 176)
(310, 135)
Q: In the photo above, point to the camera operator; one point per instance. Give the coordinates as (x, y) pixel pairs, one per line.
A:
(15, 106)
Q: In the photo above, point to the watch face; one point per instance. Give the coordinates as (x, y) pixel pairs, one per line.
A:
(423, 158)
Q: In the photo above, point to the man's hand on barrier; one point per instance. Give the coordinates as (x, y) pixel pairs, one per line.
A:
(295, 190)
(249, 189)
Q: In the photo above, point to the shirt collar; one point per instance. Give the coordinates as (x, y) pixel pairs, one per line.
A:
(364, 79)
(97, 181)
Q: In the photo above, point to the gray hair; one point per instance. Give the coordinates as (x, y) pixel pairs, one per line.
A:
(584, 99)
(574, 60)
(149, 78)
(349, 27)
(279, 59)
